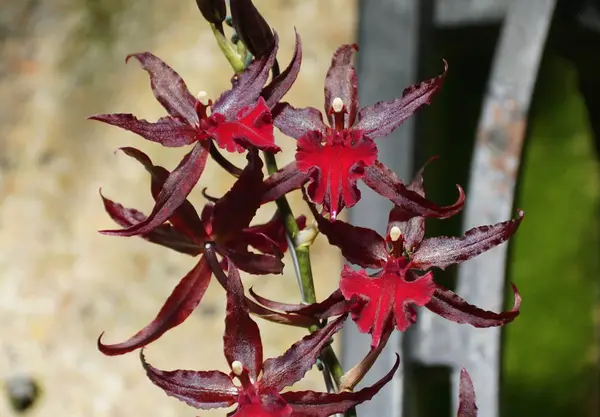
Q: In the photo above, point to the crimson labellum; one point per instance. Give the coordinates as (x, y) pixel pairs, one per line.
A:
(257, 390)
(333, 156)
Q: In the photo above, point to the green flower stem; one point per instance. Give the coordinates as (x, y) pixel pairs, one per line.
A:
(229, 50)
(302, 255)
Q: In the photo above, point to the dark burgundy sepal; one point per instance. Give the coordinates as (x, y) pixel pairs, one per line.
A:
(442, 251)
(247, 86)
(183, 300)
(254, 263)
(450, 306)
(386, 183)
(317, 404)
(359, 245)
(295, 122)
(341, 82)
(281, 84)
(241, 339)
(251, 27)
(384, 117)
(290, 367)
(287, 179)
(164, 235)
(466, 398)
(204, 390)
(278, 317)
(169, 88)
(174, 192)
(168, 131)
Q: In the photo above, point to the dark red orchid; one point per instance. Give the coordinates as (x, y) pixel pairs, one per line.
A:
(333, 157)
(223, 224)
(257, 392)
(239, 119)
(392, 292)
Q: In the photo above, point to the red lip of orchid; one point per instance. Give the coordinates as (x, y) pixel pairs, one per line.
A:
(332, 158)
(257, 392)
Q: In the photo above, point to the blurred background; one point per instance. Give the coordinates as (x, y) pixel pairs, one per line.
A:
(62, 284)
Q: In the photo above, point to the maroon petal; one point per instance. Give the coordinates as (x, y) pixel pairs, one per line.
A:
(334, 167)
(164, 235)
(341, 82)
(185, 218)
(234, 211)
(254, 263)
(183, 300)
(295, 122)
(466, 398)
(173, 194)
(320, 404)
(411, 226)
(290, 367)
(382, 118)
(443, 251)
(252, 127)
(451, 307)
(247, 86)
(214, 11)
(168, 131)
(263, 236)
(359, 245)
(287, 179)
(281, 318)
(204, 390)
(386, 183)
(169, 88)
(242, 337)
(281, 84)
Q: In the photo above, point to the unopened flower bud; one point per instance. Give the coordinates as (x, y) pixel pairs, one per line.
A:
(214, 11)
(306, 236)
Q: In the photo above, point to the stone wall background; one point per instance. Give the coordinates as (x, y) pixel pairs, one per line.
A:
(61, 283)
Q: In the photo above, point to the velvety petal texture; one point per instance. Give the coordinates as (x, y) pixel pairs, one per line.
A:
(466, 399)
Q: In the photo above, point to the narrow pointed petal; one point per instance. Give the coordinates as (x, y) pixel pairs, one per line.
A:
(169, 88)
(273, 232)
(386, 183)
(168, 131)
(234, 211)
(183, 300)
(254, 263)
(287, 179)
(242, 337)
(320, 404)
(440, 252)
(251, 27)
(252, 127)
(185, 219)
(359, 245)
(341, 82)
(281, 84)
(164, 235)
(289, 319)
(174, 192)
(295, 122)
(382, 118)
(247, 86)
(451, 307)
(316, 309)
(291, 367)
(204, 390)
(466, 398)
